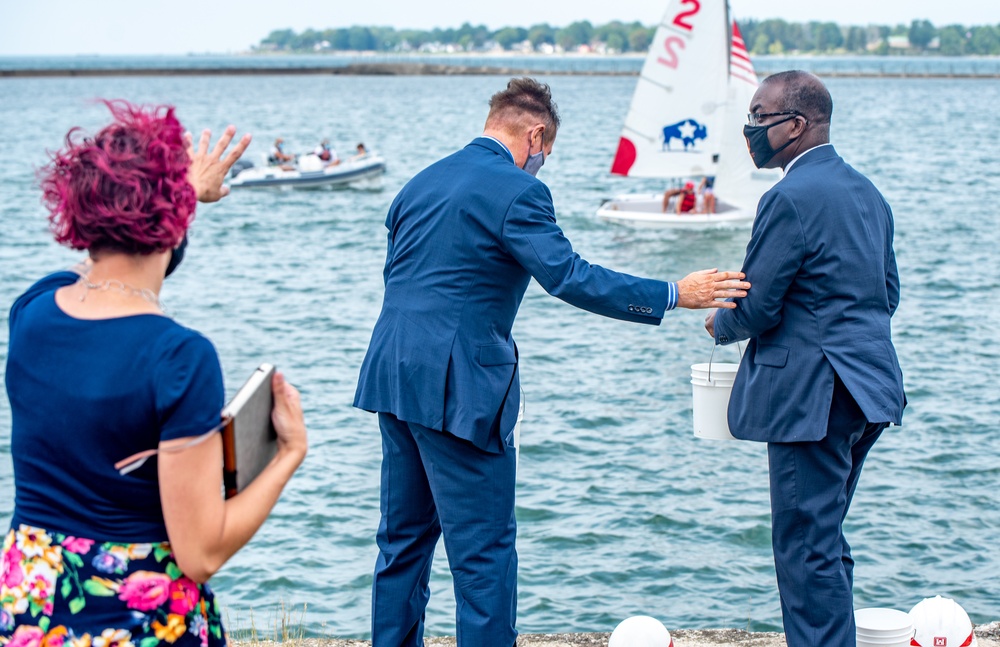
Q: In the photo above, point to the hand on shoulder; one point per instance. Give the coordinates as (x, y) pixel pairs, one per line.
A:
(706, 288)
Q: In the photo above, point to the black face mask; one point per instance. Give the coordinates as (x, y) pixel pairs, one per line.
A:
(176, 256)
(760, 146)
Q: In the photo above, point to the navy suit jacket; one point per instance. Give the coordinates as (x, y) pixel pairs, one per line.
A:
(824, 286)
(465, 236)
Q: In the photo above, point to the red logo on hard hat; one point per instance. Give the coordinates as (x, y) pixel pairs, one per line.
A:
(940, 642)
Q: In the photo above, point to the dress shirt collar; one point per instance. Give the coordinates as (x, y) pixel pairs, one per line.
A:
(788, 166)
(502, 145)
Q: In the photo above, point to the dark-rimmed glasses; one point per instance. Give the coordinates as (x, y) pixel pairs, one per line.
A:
(753, 118)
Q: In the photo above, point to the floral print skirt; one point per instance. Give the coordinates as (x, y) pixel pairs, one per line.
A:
(57, 590)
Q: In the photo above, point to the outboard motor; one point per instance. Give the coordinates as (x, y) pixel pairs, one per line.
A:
(240, 165)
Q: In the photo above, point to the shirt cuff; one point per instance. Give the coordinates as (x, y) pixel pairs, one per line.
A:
(671, 296)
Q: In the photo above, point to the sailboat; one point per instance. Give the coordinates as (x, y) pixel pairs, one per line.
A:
(686, 121)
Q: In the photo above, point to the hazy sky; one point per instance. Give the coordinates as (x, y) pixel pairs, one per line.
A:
(39, 27)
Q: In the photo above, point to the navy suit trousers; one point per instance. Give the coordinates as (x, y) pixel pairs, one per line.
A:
(812, 484)
(432, 484)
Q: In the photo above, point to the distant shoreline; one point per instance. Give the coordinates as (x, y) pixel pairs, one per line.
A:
(411, 69)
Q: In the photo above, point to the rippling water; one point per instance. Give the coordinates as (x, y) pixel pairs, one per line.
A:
(621, 510)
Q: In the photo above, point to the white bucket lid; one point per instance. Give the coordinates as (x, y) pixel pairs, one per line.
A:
(883, 623)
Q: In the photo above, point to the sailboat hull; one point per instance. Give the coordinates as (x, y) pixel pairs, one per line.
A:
(646, 210)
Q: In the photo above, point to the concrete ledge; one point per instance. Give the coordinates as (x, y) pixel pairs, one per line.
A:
(988, 635)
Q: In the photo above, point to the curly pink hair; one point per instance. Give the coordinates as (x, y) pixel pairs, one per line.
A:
(124, 190)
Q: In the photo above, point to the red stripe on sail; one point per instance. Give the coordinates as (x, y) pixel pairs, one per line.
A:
(736, 33)
(624, 157)
(740, 65)
(740, 56)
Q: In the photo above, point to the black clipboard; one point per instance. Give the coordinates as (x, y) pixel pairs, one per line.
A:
(249, 440)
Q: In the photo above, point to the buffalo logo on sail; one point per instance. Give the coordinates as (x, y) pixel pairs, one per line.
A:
(688, 131)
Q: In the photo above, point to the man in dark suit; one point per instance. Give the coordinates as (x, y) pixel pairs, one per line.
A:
(820, 379)
(465, 236)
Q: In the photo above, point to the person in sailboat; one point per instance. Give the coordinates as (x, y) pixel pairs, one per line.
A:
(706, 193)
(820, 380)
(684, 199)
(466, 235)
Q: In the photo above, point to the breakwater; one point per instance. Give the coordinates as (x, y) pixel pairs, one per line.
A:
(444, 69)
(354, 69)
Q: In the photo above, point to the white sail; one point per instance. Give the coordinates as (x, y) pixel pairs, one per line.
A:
(686, 121)
(673, 127)
(737, 180)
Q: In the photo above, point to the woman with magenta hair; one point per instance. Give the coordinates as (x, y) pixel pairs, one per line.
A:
(96, 372)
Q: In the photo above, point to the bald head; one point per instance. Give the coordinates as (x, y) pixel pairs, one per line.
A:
(805, 93)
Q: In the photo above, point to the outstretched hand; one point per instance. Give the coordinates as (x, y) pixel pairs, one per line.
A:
(704, 288)
(208, 170)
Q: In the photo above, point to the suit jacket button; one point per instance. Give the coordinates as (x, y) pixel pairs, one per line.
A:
(631, 308)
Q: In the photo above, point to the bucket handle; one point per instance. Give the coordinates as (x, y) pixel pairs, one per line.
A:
(712, 356)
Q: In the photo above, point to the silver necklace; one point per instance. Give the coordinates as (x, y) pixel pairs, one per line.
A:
(114, 285)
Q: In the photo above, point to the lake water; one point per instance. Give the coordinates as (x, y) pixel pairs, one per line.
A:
(621, 510)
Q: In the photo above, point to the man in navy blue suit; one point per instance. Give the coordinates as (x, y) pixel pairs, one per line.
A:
(465, 236)
(820, 380)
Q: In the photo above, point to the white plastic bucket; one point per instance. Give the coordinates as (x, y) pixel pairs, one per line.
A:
(883, 628)
(517, 432)
(711, 386)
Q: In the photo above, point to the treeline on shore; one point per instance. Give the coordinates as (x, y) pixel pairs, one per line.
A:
(772, 36)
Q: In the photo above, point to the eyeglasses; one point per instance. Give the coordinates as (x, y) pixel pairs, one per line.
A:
(753, 118)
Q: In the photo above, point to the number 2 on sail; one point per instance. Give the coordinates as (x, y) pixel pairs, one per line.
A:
(672, 43)
(679, 18)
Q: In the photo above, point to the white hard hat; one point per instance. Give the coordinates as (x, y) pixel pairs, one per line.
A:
(941, 622)
(640, 631)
